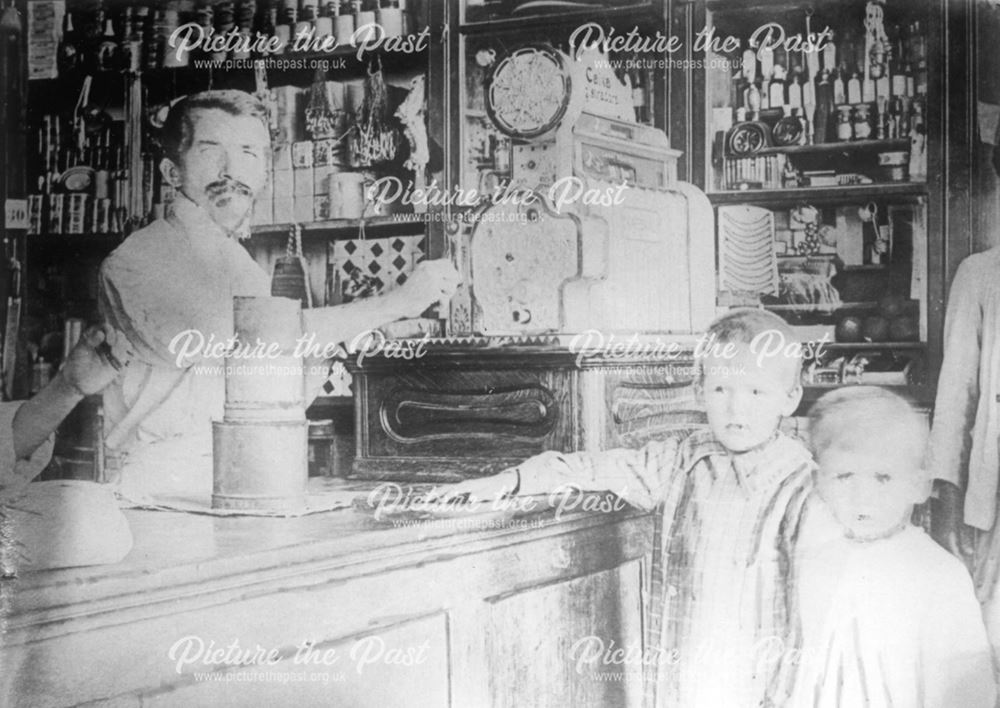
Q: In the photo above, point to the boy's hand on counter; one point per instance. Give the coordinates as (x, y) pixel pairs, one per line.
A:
(477, 490)
(91, 365)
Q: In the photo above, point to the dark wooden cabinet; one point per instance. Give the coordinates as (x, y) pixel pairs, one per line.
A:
(468, 411)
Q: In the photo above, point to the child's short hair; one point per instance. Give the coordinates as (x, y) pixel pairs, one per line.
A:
(862, 416)
(765, 331)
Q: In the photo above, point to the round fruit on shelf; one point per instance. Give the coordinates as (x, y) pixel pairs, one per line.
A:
(875, 328)
(892, 306)
(904, 329)
(849, 330)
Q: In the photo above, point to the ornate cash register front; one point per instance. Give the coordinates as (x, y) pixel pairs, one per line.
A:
(586, 283)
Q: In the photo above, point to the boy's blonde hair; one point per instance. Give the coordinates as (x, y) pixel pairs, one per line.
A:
(751, 326)
(862, 417)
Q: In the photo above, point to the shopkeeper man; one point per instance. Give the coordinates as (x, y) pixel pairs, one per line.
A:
(182, 272)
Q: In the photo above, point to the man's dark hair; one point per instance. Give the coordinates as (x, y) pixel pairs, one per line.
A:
(178, 128)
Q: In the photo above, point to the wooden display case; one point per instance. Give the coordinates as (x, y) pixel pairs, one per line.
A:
(735, 149)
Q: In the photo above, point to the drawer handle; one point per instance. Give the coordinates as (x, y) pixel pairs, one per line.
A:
(411, 415)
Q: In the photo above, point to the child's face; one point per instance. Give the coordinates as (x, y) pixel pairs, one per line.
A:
(870, 491)
(746, 399)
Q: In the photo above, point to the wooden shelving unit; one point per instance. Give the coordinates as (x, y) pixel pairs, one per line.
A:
(901, 191)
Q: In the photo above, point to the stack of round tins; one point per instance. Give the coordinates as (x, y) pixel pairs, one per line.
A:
(261, 445)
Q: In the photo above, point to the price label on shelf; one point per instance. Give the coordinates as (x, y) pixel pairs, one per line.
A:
(16, 213)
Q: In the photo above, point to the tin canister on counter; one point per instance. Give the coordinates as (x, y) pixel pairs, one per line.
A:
(260, 465)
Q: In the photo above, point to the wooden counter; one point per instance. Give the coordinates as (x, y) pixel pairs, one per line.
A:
(424, 615)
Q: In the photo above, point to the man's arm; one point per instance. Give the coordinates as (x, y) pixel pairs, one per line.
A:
(86, 371)
(430, 282)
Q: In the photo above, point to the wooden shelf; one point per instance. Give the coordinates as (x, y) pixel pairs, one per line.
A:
(624, 10)
(34, 241)
(349, 228)
(773, 5)
(346, 52)
(829, 148)
(865, 192)
(873, 346)
(822, 308)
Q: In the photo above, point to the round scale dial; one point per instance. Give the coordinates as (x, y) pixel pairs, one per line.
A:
(528, 91)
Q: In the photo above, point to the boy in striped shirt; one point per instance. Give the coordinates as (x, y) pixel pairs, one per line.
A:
(726, 501)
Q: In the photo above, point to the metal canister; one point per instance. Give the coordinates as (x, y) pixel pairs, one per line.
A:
(36, 214)
(260, 466)
(76, 219)
(57, 211)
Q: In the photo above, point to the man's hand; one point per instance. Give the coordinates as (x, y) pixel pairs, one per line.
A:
(429, 283)
(89, 368)
(476, 490)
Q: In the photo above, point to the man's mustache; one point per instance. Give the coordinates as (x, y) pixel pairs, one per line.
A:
(225, 186)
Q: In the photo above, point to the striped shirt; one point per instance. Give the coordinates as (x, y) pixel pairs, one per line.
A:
(724, 523)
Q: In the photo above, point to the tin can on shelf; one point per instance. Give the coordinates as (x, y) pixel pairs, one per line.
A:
(57, 212)
(76, 214)
(36, 214)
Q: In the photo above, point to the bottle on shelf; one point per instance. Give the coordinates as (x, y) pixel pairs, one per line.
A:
(244, 17)
(839, 89)
(824, 108)
(793, 88)
(753, 100)
(267, 19)
(830, 54)
(224, 21)
(640, 96)
(862, 122)
(107, 50)
(845, 131)
(776, 90)
(766, 57)
(805, 137)
(881, 117)
(809, 89)
(130, 48)
(68, 51)
(854, 89)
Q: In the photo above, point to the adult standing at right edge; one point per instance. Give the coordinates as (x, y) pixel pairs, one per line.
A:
(964, 450)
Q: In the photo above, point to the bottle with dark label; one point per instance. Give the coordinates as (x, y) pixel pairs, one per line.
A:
(68, 53)
(107, 50)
